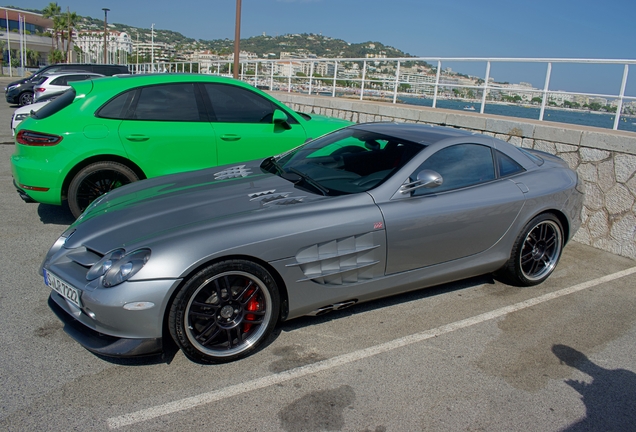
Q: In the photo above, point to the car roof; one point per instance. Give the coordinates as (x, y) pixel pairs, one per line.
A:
(415, 132)
(71, 72)
(110, 85)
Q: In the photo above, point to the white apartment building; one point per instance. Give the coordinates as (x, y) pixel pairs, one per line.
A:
(91, 43)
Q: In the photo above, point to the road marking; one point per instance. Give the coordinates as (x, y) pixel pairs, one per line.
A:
(267, 381)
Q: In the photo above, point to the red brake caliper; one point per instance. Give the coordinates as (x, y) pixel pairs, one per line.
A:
(253, 306)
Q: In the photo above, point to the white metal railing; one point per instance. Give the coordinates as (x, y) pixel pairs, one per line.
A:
(359, 77)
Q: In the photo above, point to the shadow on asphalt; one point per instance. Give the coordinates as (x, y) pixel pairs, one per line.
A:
(610, 399)
(171, 349)
(394, 300)
(55, 215)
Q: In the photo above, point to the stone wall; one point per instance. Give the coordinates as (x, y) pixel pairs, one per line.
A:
(604, 159)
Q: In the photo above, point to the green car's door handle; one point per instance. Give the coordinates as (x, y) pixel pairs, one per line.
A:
(137, 138)
(230, 137)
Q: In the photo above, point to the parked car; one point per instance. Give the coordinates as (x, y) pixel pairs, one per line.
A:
(21, 91)
(108, 132)
(56, 83)
(219, 256)
(23, 112)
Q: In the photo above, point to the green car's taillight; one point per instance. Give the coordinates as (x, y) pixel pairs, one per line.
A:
(32, 138)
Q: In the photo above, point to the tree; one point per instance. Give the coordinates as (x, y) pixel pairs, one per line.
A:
(32, 57)
(71, 21)
(536, 100)
(51, 11)
(56, 56)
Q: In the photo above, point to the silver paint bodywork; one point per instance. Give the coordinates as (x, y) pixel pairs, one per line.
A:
(324, 251)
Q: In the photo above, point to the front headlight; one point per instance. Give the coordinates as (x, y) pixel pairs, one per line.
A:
(120, 270)
(20, 117)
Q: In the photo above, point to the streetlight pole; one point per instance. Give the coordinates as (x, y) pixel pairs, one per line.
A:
(152, 46)
(105, 34)
(237, 39)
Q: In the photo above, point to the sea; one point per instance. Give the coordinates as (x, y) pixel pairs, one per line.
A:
(571, 116)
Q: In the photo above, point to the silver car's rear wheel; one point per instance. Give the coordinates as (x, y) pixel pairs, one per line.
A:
(225, 311)
(536, 252)
(541, 250)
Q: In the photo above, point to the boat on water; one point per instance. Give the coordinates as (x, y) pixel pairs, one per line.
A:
(469, 108)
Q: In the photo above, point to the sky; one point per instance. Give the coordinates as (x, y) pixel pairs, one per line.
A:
(592, 29)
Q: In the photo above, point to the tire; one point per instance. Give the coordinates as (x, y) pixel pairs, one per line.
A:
(25, 98)
(95, 180)
(535, 253)
(224, 312)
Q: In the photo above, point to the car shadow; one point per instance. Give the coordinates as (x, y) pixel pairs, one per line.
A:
(170, 349)
(394, 300)
(55, 215)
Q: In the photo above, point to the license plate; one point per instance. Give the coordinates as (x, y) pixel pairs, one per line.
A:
(67, 291)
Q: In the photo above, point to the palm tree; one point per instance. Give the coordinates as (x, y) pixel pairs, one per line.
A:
(71, 21)
(59, 23)
(32, 57)
(51, 11)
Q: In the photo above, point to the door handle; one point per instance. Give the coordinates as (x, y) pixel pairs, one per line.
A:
(230, 137)
(137, 138)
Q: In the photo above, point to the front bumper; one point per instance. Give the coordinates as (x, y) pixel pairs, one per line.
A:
(100, 343)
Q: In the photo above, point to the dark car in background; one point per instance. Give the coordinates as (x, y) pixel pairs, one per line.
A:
(21, 91)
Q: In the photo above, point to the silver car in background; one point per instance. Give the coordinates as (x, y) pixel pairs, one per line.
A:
(215, 258)
(59, 82)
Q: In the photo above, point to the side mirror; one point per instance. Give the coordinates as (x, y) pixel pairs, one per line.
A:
(425, 179)
(280, 118)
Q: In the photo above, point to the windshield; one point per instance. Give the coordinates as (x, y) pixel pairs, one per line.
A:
(347, 161)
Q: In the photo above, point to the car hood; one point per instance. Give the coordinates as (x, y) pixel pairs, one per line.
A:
(317, 125)
(166, 206)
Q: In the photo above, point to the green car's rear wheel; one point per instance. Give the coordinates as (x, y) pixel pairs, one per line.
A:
(94, 180)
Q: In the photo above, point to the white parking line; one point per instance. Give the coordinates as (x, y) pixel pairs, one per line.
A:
(267, 381)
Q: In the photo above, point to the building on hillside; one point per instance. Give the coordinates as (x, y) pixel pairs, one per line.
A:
(91, 45)
(26, 41)
(161, 51)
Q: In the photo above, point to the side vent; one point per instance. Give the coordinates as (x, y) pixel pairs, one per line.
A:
(339, 262)
(272, 198)
(234, 172)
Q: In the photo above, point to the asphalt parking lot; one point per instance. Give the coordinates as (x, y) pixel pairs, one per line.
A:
(472, 355)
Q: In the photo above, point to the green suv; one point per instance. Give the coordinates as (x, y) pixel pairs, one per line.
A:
(108, 132)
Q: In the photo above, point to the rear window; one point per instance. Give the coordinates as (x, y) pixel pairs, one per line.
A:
(55, 105)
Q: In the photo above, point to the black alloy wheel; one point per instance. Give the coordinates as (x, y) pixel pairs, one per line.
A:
(95, 180)
(536, 252)
(225, 312)
(25, 98)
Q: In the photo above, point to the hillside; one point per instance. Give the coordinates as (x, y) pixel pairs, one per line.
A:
(263, 46)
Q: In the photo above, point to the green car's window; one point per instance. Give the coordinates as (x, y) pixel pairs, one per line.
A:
(460, 166)
(117, 108)
(172, 102)
(233, 104)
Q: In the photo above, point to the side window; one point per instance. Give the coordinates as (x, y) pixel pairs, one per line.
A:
(61, 81)
(117, 108)
(460, 166)
(172, 102)
(235, 104)
(507, 166)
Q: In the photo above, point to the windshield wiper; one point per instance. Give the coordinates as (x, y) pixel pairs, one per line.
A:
(309, 180)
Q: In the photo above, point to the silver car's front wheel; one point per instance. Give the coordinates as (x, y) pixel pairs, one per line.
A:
(225, 311)
(536, 252)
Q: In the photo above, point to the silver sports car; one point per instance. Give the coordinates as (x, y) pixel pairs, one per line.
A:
(215, 258)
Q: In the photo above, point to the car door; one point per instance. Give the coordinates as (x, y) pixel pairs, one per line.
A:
(466, 215)
(244, 126)
(166, 129)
